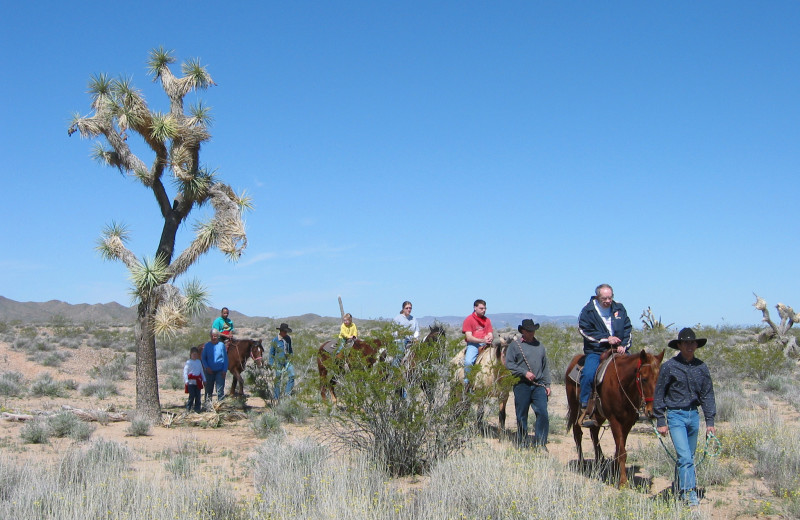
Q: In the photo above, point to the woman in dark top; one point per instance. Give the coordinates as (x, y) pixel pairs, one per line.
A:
(684, 383)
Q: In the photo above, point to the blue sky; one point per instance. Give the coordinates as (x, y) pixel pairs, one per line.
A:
(519, 152)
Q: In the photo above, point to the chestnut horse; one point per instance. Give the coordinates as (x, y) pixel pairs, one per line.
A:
(239, 351)
(368, 350)
(626, 391)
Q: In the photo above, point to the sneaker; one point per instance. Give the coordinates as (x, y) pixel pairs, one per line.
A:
(691, 499)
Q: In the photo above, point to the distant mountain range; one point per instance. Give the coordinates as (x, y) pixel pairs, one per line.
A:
(45, 312)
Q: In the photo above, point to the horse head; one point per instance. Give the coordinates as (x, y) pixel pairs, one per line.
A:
(646, 377)
(257, 352)
(436, 333)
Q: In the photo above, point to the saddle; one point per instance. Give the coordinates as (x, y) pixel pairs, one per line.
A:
(577, 370)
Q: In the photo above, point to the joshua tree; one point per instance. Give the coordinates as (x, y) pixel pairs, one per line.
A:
(174, 139)
(779, 332)
(650, 322)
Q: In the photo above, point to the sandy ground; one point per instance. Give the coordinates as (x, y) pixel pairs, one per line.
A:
(217, 443)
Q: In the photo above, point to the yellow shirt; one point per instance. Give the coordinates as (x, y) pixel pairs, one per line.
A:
(348, 332)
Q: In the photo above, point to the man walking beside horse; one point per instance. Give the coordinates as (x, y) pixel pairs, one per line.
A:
(604, 324)
(528, 361)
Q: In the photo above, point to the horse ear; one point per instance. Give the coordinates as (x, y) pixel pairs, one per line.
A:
(643, 355)
(661, 356)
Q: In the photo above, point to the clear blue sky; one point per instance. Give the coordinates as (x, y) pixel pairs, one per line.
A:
(519, 152)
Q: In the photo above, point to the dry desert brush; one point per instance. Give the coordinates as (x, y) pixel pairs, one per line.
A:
(123, 122)
(779, 332)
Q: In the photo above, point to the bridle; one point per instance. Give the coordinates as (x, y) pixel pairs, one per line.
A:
(643, 400)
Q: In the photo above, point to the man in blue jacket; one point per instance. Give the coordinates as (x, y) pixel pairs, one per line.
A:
(215, 364)
(604, 324)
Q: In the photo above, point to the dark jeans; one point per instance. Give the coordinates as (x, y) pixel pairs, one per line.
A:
(194, 399)
(216, 378)
(525, 397)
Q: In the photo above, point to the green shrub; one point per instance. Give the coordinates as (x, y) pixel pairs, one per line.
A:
(61, 424)
(406, 417)
(45, 386)
(82, 431)
(54, 359)
(265, 424)
(100, 389)
(139, 427)
(12, 384)
(116, 369)
(36, 431)
(173, 381)
(757, 361)
(181, 465)
(292, 410)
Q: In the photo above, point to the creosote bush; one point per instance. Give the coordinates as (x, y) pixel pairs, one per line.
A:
(405, 415)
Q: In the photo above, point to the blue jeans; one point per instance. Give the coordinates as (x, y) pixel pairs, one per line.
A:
(531, 396)
(469, 358)
(216, 378)
(683, 427)
(287, 372)
(587, 376)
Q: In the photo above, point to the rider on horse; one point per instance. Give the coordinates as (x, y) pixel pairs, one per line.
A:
(604, 325)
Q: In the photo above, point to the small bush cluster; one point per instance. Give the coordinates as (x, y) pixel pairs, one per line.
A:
(64, 424)
(12, 384)
(292, 410)
(45, 386)
(139, 427)
(265, 424)
(100, 389)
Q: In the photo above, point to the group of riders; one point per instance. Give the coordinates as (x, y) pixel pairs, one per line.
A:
(684, 382)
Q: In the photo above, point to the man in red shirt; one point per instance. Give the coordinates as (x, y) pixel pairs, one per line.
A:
(477, 331)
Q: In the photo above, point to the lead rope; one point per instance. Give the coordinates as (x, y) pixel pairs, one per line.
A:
(712, 447)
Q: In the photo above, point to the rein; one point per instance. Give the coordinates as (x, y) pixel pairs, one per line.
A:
(643, 400)
(712, 447)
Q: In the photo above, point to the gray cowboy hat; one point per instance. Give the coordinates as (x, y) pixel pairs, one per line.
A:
(284, 326)
(528, 325)
(686, 334)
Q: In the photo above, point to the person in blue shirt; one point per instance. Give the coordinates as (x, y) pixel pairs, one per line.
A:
(215, 364)
(280, 352)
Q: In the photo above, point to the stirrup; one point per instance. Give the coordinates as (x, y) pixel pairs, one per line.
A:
(587, 419)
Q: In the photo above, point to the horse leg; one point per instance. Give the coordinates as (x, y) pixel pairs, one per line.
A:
(598, 450)
(502, 416)
(577, 434)
(621, 455)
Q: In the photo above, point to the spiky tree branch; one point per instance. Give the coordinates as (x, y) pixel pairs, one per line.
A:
(779, 332)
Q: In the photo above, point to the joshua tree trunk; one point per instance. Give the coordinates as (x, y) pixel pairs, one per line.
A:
(148, 404)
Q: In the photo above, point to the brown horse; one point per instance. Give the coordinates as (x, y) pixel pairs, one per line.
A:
(626, 391)
(239, 351)
(368, 350)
